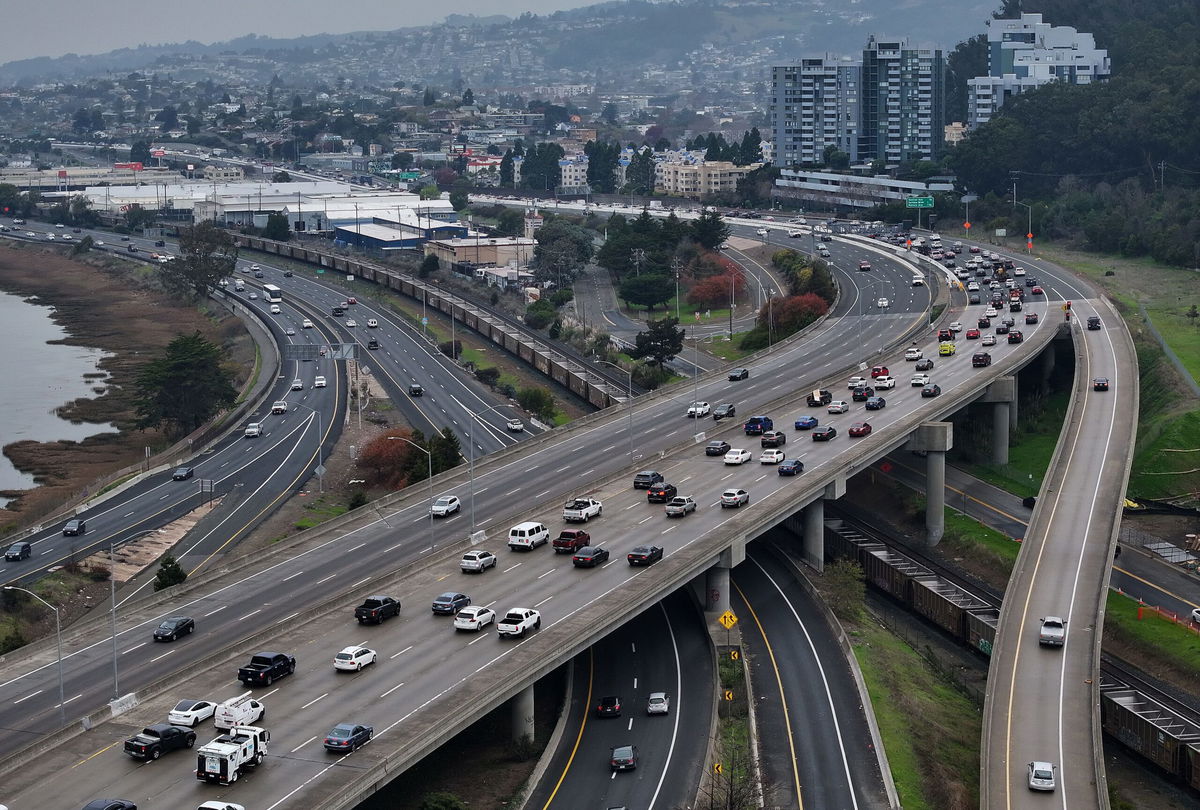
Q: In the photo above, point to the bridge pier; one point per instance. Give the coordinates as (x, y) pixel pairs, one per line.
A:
(934, 439)
(1047, 365)
(716, 597)
(814, 523)
(522, 714)
(1012, 408)
(1002, 394)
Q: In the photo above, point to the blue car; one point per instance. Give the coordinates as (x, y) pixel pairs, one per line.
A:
(806, 423)
(876, 403)
(790, 466)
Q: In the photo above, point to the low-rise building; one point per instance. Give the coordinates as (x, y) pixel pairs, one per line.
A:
(832, 190)
(700, 179)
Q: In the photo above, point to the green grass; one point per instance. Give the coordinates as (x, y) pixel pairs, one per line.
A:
(1180, 333)
(1030, 453)
(965, 534)
(1152, 635)
(320, 511)
(1166, 466)
(727, 350)
(930, 730)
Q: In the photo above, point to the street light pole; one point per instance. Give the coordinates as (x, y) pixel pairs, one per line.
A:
(471, 463)
(429, 457)
(112, 586)
(58, 634)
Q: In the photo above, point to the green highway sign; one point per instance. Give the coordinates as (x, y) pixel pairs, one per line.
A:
(918, 202)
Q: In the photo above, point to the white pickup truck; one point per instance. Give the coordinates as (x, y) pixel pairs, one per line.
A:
(229, 756)
(517, 622)
(581, 510)
(1053, 632)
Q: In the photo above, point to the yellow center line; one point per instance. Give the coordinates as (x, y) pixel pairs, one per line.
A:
(587, 709)
(93, 756)
(787, 721)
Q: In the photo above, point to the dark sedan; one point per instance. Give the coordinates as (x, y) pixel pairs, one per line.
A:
(1031, 317)
(931, 391)
(183, 473)
(824, 434)
(174, 627)
(661, 493)
(739, 374)
(645, 555)
(925, 364)
(624, 758)
(347, 737)
(450, 603)
(876, 404)
(609, 706)
(862, 393)
(1015, 336)
(1100, 384)
(790, 466)
(985, 323)
(716, 447)
(590, 557)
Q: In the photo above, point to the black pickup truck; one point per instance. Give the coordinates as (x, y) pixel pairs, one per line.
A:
(154, 741)
(265, 667)
(377, 608)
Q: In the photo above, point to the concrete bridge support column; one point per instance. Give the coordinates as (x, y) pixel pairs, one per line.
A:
(522, 714)
(814, 523)
(1003, 394)
(1012, 409)
(934, 439)
(1047, 364)
(716, 600)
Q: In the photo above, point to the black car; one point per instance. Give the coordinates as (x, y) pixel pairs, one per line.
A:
(347, 737)
(726, 411)
(924, 364)
(174, 627)
(372, 344)
(984, 323)
(646, 479)
(258, 274)
(876, 403)
(645, 555)
(1002, 329)
(824, 433)
(589, 557)
(159, 243)
(18, 551)
(415, 390)
(661, 492)
(450, 602)
(862, 393)
(773, 438)
(110, 804)
(287, 274)
(1093, 323)
(790, 466)
(609, 706)
(1100, 384)
(1031, 317)
(1015, 336)
(716, 447)
(75, 527)
(1031, 282)
(624, 758)
(739, 374)
(183, 473)
(931, 390)
(820, 398)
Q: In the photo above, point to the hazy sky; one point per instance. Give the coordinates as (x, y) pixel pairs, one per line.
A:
(56, 27)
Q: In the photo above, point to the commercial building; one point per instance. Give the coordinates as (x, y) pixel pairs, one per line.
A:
(1027, 52)
(815, 105)
(699, 179)
(848, 191)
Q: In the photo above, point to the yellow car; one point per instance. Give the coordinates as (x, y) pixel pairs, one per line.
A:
(947, 349)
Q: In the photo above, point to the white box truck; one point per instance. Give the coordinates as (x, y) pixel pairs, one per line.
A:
(224, 759)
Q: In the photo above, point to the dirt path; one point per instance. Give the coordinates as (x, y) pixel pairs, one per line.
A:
(110, 304)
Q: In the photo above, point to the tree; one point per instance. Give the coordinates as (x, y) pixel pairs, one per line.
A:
(430, 193)
(609, 114)
(1192, 314)
(750, 150)
(442, 801)
(459, 199)
(639, 174)
(540, 314)
(468, 98)
(447, 452)
(429, 99)
(510, 222)
(835, 158)
(602, 165)
(82, 246)
(169, 573)
(661, 341)
(709, 229)
(168, 118)
(538, 401)
(277, 227)
(139, 152)
(429, 265)
(138, 218)
(402, 160)
(647, 290)
(506, 169)
(281, 177)
(206, 255)
(563, 248)
(183, 387)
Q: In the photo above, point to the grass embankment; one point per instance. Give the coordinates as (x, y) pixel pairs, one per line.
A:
(320, 510)
(1154, 641)
(966, 537)
(1030, 451)
(930, 730)
(735, 782)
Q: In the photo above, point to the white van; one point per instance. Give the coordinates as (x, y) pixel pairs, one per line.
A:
(239, 285)
(242, 710)
(528, 535)
(253, 430)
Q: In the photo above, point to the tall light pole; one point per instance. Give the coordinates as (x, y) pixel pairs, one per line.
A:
(1028, 228)
(112, 586)
(628, 404)
(471, 463)
(429, 457)
(62, 706)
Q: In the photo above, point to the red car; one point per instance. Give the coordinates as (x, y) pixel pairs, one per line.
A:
(1037, 291)
(879, 371)
(864, 265)
(972, 334)
(860, 429)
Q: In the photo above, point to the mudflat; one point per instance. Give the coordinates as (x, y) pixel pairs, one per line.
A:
(114, 305)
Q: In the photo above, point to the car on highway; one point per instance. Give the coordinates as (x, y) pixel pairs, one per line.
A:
(517, 622)
(879, 371)
(157, 739)
(698, 409)
(956, 327)
(790, 466)
(945, 334)
(757, 425)
(824, 433)
(646, 479)
(217, 804)
(717, 447)
(449, 603)
(474, 617)
(351, 323)
(773, 438)
(477, 561)
(680, 505)
(856, 382)
(737, 455)
(445, 505)
(174, 627)
(807, 423)
(662, 492)
(876, 403)
(658, 703)
(191, 712)
(739, 374)
(862, 393)
(372, 323)
(988, 340)
(990, 312)
(183, 473)
(18, 551)
(376, 609)
(75, 527)
(253, 296)
(353, 659)
(1040, 776)
(275, 309)
(771, 456)
(864, 265)
(515, 426)
(1015, 336)
(724, 411)
(110, 804)
(290, 332)
(297, 384)
(352, 300)
(589, 557)
(947, 349)
(319, 382)
(984, 323)
(860, 429)
(925, 364)
(347, 737)
(279, 407)
(972, 334)
(1031, 317)
(838, 406)
(608, 706)
(644, 555)
(883, 303)
(306, 324)
(1037, 291)
(733, 498)
(931, 390)
(884, 381)
(912, 353)
(624, 758)
(1100, 384)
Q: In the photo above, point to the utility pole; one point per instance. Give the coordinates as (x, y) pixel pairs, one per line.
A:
(676, 265)
(638, 256)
